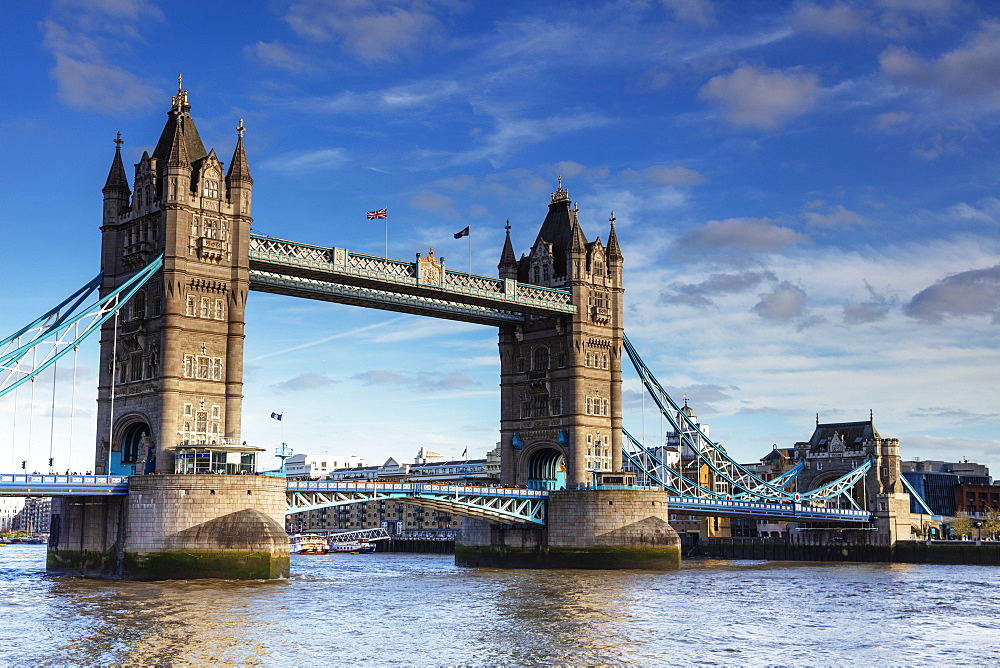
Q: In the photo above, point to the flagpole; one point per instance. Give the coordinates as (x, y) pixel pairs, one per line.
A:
(470, 250)
(387, 236)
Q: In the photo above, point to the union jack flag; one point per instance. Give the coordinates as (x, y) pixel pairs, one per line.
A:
(381, 213)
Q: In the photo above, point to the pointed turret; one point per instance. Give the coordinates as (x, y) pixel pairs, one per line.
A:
(239, 168)
(117, 181)
(614, 250)
(179, 129)
(116, 190)
(558, 229)
(508, 261)
(239, 183)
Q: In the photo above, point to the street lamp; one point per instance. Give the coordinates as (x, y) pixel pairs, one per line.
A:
(979, 529)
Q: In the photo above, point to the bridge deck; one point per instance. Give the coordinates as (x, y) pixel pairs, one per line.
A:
(338, 275)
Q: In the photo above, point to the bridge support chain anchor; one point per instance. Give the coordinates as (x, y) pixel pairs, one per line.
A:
(585, 529)
(174, 527)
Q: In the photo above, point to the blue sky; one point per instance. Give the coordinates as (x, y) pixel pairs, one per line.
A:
(807, 196)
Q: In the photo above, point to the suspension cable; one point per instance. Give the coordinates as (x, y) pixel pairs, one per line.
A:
(52, 418)
(72, 407)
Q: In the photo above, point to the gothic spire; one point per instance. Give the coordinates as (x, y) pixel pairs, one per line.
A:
(239, 168)
(179, 122)
(508, 261)
(614, 251)
(578, 241)
(178, 156)
(117, 183)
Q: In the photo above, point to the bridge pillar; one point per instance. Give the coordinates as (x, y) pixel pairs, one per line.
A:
(587, 529)
(174, 527)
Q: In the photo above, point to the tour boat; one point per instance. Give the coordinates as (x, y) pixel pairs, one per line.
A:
(309, 544)
(352, 546)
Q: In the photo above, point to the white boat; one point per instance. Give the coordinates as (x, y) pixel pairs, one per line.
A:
(307, 543)
(352, 546)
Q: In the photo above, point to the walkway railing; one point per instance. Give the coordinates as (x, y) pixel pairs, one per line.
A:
(279, 265)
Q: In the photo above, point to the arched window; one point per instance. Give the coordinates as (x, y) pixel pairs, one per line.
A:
(540, 359)
(191, 305)
(206, 308)
(220, 309)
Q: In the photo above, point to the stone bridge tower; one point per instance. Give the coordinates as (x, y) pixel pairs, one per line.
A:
(560, 378)
(835, 449)
(174, 355)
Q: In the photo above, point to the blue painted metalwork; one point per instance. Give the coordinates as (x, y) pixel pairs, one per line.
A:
(63, 328)
(916, 497)
(745, 484)
(62, 485)
(496, 505)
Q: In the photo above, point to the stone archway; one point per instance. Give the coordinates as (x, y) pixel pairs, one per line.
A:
(130, 459)
(547, 469)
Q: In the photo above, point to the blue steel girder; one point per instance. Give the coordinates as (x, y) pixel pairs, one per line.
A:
(670, 479)
(739, 477)
(62, 329)
(495, 505)
(382, 276)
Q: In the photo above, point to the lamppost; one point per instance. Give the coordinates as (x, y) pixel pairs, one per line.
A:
(979, 531)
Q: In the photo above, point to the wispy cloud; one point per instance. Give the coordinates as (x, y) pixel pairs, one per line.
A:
(430, 381)
(85, 38)
(317, 159)
(340, 335)
(371, 31)
(746, 235)
(303, 381)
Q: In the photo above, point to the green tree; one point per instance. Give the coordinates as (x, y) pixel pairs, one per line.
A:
(961, 525)
(991, 525)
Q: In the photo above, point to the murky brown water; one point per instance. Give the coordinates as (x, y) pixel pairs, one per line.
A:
(423, 610)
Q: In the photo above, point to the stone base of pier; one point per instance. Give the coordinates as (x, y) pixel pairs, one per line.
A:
(174, 527)
(589, 529)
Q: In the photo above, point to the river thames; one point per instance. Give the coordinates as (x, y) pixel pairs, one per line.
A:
(423, 610)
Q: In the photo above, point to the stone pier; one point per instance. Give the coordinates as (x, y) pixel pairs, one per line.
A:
(589, 529)
(174, 527)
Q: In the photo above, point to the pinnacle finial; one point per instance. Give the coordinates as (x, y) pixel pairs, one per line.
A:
(180, 100)
(507, 226)
(119, 141)
(560, 194)
(612, 219)
(240, 129)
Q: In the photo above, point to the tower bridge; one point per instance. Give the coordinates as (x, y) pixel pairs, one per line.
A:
(171, 388)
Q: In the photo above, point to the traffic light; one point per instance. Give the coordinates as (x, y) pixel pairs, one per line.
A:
(51, 461)
(24, 464)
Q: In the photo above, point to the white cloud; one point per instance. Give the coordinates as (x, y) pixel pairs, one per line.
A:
(761, 98)
(85, 38)
(319, 159)
(841, 19)
(372, 31)
(786, 302)
(275, 54)
(699, 12)
(965, 79)
(740, 235)
(966, 294)
(677, 175)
